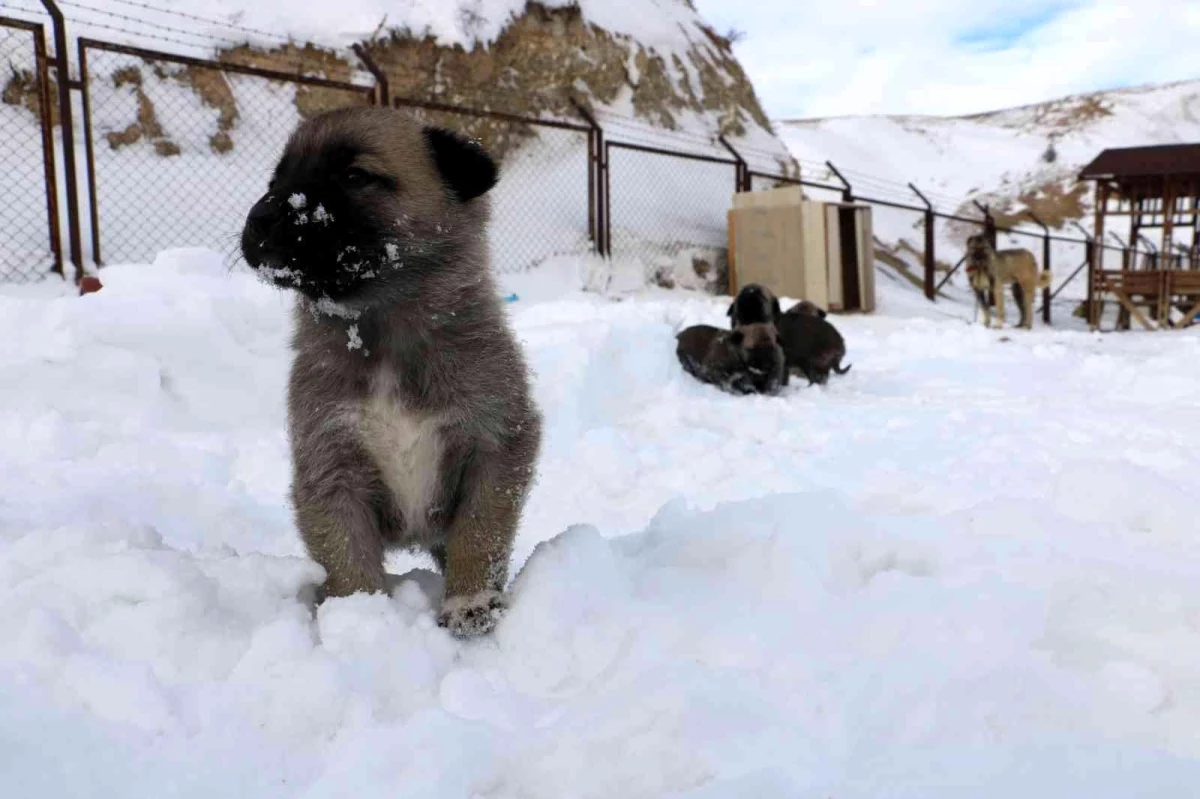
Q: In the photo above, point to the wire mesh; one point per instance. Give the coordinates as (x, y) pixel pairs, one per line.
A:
(27, 235)
(669, 211)
(181, 150)
(541, 205)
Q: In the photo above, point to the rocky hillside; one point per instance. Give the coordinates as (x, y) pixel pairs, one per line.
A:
(655, 65)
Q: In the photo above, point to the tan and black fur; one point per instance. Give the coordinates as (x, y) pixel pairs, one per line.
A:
(808, 309)
(995, 270)
(748, 360)
(754, 304)
(409, 412)
(813, 346)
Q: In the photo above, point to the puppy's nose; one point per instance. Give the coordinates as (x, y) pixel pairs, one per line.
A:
(263, 213)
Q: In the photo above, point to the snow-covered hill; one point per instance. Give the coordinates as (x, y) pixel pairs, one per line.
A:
(181, 153)
(1012, 160)
(1015, 159)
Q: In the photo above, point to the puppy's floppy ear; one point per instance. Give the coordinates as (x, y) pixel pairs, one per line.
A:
(732, 305)
(775, 309)
(466, 168)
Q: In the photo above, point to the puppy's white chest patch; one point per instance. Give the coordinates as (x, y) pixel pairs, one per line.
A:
(407, 448)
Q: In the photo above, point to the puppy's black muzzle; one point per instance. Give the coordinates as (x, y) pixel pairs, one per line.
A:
(261, 224)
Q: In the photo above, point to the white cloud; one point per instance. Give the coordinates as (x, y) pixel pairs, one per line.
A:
(950, 56)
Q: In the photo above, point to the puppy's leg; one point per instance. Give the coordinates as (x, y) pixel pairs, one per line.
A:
(479, 538)
(1019, 295)
(337, 493)
(1000, 306)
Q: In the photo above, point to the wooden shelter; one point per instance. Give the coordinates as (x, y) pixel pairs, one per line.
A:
(1158, 189)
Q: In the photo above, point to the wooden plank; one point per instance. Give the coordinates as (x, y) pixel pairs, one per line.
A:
(1188, 317)
(1133, 309)
(731, 259)
(769, 249)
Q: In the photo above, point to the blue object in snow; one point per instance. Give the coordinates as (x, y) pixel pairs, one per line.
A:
(511, 298)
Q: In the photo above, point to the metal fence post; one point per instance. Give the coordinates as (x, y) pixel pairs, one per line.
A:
(741, 170)
(1045, 264)
(930, 257)
(848, 190)
(597, 181)
(62, 70)
(381, 81)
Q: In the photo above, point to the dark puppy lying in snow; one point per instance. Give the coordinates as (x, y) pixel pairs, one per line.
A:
(813, 347)
(744, 361)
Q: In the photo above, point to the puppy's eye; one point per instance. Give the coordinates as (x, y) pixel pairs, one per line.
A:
(354, 176)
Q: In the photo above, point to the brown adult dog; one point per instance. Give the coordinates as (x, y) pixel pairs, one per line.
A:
(409, 411)
(994, 270)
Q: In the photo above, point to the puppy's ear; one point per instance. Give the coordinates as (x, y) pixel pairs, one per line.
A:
(466, 168)
(775, 309)
(732, 305)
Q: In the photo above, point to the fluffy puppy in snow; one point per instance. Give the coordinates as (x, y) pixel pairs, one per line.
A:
(409, 412)
(754, 304)
(813, 347)
(807, 308)
(744, 361)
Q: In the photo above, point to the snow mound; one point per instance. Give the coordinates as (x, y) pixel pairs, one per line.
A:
(965, 567)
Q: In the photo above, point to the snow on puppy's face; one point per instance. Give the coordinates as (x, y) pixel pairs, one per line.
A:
(366, 200)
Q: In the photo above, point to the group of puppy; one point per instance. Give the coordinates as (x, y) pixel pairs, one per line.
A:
(764, 345)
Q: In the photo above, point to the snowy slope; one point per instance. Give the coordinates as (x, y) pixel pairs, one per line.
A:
(994, 158)
(966, 568)
(954, 159)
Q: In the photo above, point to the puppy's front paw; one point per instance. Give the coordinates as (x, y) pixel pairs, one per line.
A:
(468, 616)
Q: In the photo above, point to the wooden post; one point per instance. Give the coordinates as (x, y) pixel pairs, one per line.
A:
(1169, 194)
(1097, 253)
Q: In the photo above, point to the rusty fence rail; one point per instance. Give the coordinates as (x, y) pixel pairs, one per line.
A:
(178, 148)
(30, 245)
(668, 210)
(543, 205)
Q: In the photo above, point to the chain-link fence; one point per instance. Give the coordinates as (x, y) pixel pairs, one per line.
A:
(669, 210)
(541, 206)
(29, 241)
(178, 149)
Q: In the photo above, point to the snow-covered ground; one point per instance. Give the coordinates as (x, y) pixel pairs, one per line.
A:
(965, 568)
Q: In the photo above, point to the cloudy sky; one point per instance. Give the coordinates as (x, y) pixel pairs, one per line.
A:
(840, 57)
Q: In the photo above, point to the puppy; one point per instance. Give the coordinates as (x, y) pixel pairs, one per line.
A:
(813, 347)
(754, 304)
(808, 308)
(409, 411)
(744, 361)
(989, 269)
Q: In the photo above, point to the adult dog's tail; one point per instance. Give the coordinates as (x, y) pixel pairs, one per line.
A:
(1044, 279)
(838, 368)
